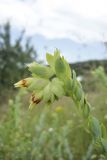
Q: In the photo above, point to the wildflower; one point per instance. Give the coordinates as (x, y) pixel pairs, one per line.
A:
(50, 129)
(80, 78)
(23, 83)
(34, 100)
(58, 109)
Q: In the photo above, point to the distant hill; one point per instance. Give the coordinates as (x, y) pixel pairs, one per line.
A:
(73, 51)
(82, 68)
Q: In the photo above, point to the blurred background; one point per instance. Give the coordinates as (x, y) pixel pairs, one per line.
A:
(77, 28)
(28, 30)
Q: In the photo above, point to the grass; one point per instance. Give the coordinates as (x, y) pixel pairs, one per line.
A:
(50, 133)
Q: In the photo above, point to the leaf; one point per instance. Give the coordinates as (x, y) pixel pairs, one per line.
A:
(52, 98)
(40, 70)
(86, 110)
(50, 60)
(60, 68)
(57, 81)
(38, 84)
(95, 127)
(104, 131)
(56, 54)
(47, 93)
(74, 83)
(68, 69)
(79, 93)
(57, 90)
(104, 144)
(68, 85)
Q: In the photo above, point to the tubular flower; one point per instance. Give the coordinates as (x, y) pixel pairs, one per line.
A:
(35, 100)
(23, 83)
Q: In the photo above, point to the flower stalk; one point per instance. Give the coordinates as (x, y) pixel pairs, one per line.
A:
(50, 83)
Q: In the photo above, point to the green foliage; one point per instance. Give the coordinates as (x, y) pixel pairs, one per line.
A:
(13, 56)
(45, 136)
(95, 127)
(100, 75)
(40, 70)
(63, 82)
(45, 132)
(62, 113)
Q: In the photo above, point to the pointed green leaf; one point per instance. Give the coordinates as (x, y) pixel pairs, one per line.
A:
(60, 68)
(104, 131)
(57, 87)
(40, 70)
(58, 90)
(47, 93)
(68, 69)
(104, 144)
(50, 60)
(56, 54)
(38, 84)
(95, 127)
(86, 110)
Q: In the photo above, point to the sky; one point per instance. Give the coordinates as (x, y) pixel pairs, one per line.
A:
(77, 27)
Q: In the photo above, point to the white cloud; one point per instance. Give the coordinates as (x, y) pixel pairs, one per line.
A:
(79, 20)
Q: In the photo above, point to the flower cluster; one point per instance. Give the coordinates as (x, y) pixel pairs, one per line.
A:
(46, 83)
(49, 83)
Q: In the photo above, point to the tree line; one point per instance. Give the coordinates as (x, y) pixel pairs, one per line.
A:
(14, 56)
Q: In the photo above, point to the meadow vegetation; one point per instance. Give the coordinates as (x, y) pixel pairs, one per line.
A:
(55, 129)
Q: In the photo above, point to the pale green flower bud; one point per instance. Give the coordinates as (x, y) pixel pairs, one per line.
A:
(24, 83)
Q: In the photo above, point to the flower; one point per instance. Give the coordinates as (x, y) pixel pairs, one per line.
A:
(50, 129)
(23, 83)
(58, 109)
(34, 100)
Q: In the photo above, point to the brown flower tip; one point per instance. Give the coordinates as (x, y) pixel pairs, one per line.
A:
(35, 100)
(23, 83)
